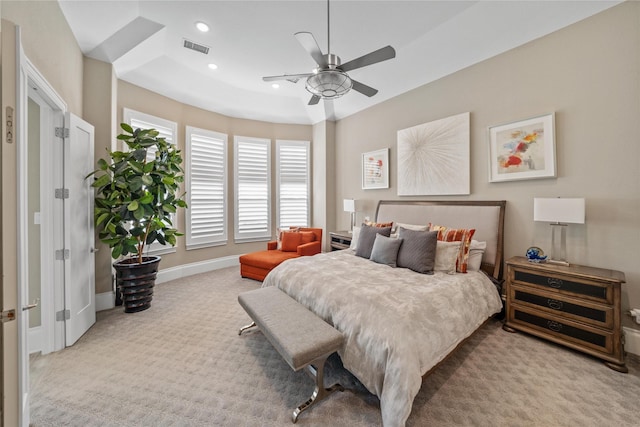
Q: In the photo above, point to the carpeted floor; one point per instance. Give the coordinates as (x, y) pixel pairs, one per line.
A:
(182, 363)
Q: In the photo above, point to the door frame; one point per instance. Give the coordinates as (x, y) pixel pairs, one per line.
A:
(32, 78)
(52, 299)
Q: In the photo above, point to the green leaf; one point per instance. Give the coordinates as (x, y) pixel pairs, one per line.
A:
(147, 198)
(133, 206)
(168, 180)
(139, 213)
(101, 181)
(116, 251)
(169, 208)
(126, 127)
(103, 165)
(147, 180)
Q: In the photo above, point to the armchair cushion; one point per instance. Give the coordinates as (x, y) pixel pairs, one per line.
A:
(290, 241)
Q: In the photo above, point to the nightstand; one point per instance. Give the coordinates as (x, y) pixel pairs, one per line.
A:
(575, 306)
(340, 240)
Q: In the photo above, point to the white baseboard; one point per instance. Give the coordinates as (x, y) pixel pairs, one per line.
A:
(631, 340)
(180, 271)
(35, 339)
(106, 300)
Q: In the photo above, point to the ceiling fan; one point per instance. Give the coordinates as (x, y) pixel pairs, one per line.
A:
(330, 80)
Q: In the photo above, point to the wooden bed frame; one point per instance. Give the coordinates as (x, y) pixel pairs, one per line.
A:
(486, 217)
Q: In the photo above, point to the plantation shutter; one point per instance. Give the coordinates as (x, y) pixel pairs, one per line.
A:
(167, 130)
(253, 188)
(207, 188)
(293, 183)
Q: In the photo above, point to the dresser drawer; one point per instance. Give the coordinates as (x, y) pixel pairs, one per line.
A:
(566, 285)
(562, 305)
(561, 330)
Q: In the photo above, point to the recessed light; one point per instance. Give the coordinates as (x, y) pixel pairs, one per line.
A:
(202, 26)
(213, 66)
(275, 85)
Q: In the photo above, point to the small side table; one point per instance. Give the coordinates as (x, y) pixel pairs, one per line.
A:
(340, 240)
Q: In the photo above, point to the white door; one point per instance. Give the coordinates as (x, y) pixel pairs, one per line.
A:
(80, 293)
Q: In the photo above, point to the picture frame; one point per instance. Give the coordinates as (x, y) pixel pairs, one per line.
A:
(375, 169)
(524, 149)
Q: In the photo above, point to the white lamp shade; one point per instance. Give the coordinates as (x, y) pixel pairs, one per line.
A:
(349, 205)
(560, 210)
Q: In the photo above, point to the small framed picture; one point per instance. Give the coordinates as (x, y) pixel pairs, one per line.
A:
(375, 169)
(523, 150)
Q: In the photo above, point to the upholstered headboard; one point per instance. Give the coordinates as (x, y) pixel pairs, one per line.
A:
(487, 217)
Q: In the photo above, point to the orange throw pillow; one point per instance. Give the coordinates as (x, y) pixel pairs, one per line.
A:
(290, 241)
(464, 235)
(307, 237)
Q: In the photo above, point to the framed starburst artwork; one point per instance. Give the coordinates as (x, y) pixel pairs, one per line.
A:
(433, 158)
(522, 150)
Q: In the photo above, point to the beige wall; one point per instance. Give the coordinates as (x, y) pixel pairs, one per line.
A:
(50, 45)
(142, 100)
(589, 75)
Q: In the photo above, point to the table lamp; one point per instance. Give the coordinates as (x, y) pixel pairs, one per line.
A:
(350, 206)
(559, 212)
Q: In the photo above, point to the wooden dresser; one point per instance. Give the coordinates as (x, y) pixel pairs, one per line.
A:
(576, 306)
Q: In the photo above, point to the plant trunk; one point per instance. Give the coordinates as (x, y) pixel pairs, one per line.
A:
(135, 282)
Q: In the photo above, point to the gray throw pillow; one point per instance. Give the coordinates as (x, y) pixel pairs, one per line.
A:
(418, 250)
(367, 237)
(385, 250)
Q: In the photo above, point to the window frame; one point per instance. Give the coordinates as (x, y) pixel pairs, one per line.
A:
(292, 143)
(218, 240)
(154, 122)
(265, 235)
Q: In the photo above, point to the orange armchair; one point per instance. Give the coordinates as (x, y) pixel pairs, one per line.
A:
(304, 242)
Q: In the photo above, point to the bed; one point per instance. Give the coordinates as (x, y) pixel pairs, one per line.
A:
(399, 324)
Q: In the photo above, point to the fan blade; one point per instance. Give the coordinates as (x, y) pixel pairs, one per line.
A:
(374, 57)
(293, 78)
(363, 88)
(309, 43)
(314, 100)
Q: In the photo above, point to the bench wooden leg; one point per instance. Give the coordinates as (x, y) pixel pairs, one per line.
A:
(244, 328)
(320, 392)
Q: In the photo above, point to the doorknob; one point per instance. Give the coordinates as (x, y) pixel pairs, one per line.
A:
(30, 306)
(93, 250)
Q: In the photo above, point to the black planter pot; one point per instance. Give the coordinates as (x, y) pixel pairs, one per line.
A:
(135, 282)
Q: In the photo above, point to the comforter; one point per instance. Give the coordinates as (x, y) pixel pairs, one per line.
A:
(398, 324)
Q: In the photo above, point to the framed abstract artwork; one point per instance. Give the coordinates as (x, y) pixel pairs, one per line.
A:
(375, 169)
(433, 158)
(523, 150)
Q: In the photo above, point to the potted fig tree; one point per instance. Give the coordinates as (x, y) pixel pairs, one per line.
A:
(135, 195)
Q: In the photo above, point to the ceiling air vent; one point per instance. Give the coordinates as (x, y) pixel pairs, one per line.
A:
(195, 46)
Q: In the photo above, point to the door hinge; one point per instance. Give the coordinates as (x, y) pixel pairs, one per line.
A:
(62, 254)
(62, 132)
(63, 315)
(62, 193)
(8, 316)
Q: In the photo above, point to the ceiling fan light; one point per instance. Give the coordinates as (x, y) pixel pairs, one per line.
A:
(329, 84)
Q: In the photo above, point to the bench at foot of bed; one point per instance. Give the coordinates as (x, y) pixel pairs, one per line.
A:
(303, 339)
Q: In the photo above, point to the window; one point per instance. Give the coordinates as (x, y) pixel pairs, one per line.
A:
(206, 179)
(252, 172)
(292, 186)
(166, 129)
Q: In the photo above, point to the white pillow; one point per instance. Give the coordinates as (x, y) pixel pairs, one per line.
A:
(354, 238)
(476, 251)
(414, 227)
(446, 256)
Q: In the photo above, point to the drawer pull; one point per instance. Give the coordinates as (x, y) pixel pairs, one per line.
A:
(555, 304)
(554, 326)
(554, 283)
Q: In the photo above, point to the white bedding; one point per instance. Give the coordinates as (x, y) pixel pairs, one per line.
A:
(398, 324)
